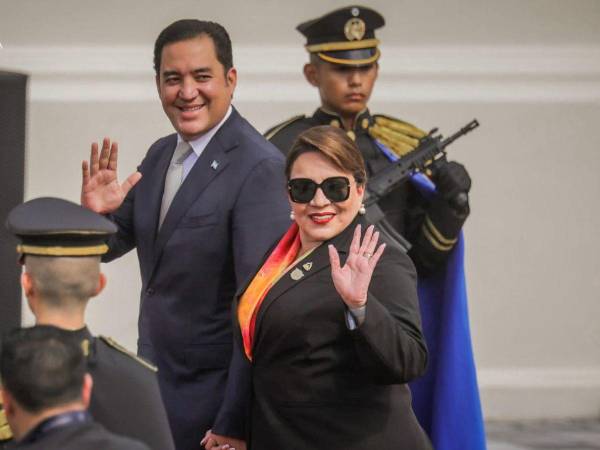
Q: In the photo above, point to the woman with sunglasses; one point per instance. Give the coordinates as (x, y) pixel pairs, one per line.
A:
(330, 323)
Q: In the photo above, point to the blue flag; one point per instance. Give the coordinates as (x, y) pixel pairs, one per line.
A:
(446, 400)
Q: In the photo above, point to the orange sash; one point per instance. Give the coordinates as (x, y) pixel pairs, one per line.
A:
(274, 267)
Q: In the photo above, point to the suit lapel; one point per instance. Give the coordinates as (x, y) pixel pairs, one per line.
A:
(149, 192)
(205, 170)
(302, 271)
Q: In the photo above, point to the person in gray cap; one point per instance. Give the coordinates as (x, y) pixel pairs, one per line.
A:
(60, 247)
(47, 391)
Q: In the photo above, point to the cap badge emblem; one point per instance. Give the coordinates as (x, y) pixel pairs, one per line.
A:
(354, 30)
(296, 274)
(355, 11)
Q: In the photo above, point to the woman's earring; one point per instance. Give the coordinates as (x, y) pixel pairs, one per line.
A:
(362, 210)
(292, 216)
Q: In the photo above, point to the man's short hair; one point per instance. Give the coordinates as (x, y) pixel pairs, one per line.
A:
(42, 367)
(185, 29)
(61, 281)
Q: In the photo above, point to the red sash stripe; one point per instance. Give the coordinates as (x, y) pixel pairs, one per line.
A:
(284, 254)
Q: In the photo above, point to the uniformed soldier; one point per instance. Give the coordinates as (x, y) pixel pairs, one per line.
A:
(343, 66)
(47, 391)
(61, 244)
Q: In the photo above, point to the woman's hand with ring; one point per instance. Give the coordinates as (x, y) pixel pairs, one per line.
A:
(352, 280)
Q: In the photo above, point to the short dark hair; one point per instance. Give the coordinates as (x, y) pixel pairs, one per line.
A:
(42, 367)
(335, 145)
(314, 59)
(185, 29)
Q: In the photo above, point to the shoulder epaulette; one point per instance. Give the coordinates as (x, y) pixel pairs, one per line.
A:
(277, 128)
(399, 136)
(114, 344)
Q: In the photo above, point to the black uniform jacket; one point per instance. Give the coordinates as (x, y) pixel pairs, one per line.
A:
(319, 385)
(125, 395)
(82, 436)
(430, 226)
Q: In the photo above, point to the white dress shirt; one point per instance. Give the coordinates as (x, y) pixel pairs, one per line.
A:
(199, 144)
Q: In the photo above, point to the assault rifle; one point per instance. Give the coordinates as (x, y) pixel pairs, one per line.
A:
(431, 148)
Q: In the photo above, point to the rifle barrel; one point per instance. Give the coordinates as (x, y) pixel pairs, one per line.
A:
(464, 130)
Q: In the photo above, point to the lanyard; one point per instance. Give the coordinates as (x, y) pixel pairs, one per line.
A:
(56, 422)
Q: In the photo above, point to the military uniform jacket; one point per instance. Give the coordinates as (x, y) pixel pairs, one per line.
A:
(431, 226)
(125, 396)
(82, 436)
(319, 385)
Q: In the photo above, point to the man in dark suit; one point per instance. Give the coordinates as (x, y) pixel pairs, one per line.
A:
(209, 202)
(46, 391)
(60, 247)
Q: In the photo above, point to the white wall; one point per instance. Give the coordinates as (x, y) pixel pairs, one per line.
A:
(528, 70)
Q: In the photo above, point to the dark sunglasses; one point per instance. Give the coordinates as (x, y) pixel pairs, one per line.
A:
(302, 190)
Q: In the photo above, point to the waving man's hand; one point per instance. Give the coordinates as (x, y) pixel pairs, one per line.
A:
(100, 189)
(352, 280)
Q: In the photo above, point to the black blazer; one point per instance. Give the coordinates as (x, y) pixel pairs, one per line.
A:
(319, 385)
(227, 212)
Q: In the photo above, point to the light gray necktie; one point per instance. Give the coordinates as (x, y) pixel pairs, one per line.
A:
(174, 178)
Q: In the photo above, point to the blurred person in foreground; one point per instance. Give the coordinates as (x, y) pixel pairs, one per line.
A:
(46, 392)
(329, 326)
(60, 248)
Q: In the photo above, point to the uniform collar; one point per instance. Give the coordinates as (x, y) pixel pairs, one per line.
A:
(361, 125)
(82, 333)
(86, 340)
